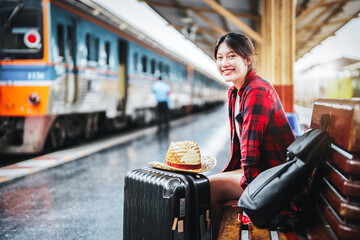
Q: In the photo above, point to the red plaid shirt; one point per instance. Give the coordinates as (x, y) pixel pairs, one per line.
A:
(264, 130)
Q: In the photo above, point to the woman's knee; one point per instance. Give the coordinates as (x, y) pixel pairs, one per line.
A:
(225, 186)
(216, 182)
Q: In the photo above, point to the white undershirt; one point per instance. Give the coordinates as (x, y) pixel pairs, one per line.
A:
(236, 112)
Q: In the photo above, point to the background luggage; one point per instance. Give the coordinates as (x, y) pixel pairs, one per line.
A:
(166, 205)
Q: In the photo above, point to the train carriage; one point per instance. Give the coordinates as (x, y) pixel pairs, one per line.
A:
(69, 70)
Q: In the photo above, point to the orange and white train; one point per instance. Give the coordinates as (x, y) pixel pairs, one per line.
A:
(69, 70)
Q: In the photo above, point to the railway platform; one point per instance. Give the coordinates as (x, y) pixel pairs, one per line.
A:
(77, 193)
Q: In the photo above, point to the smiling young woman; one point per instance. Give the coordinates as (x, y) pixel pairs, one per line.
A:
(234, 62)
(260, 132)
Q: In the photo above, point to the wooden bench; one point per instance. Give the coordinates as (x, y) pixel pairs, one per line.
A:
(337, 214)
(231, 228)
(339, 205)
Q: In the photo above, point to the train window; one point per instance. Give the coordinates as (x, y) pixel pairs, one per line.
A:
(97, 46)
(107, 51)
(21, 30)
(152, 66)
(92, 47)
(160, 67)
(136, 60)
(69, 42)
(87, 42)
(60, 41)
(166, 70)
(144, 63)
(178, 75)
(184, 75)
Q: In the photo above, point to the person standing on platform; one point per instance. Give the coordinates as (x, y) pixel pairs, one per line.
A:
(162, 91)
(259, 129)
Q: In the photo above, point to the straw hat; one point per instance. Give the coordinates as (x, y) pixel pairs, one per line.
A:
(184, 156)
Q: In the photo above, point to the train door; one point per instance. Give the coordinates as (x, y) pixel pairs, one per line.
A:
(71, 79)
(123, 80)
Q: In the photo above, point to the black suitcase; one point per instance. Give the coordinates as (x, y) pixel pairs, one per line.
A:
(166, 205)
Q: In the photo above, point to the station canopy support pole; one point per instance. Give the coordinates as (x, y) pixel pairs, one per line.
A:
(276, 53)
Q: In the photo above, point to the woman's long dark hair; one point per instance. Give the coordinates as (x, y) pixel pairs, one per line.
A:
(240, 43)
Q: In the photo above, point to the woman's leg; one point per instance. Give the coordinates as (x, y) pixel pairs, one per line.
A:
(223, 187)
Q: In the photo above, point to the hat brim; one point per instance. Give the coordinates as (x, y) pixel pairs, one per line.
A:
(207, 163)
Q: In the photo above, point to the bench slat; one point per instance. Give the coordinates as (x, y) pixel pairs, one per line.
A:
(342, 231)
(230, 227)
(257, 233)
(288, 236)
(344, 185)
(343, 160)
(343, 121)
(339, 204)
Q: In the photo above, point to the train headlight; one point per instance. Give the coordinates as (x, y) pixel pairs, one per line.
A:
(32, 38)
(34, 98)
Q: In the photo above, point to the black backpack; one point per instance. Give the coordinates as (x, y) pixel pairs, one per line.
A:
(276, 188)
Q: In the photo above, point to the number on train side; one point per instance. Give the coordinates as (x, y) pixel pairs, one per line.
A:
(36, 75)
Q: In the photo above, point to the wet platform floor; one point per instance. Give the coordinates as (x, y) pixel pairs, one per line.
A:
(83, 199)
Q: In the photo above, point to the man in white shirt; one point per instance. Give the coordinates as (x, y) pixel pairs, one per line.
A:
(162, 92)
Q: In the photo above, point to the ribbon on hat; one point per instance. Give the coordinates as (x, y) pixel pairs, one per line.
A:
(183, 166)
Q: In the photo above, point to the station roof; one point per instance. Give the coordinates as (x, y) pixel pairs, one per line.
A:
(203, 21)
